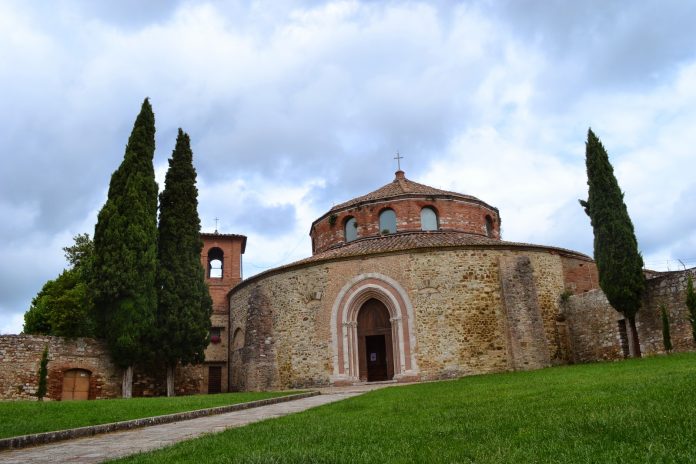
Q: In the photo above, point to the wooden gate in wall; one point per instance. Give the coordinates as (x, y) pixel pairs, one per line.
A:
(76, 384)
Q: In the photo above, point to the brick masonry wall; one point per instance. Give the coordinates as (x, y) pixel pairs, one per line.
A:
(459, 320)
(580, 275)
(593, 323)
(453, 214)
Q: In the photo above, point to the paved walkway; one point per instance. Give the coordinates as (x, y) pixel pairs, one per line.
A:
(115, 445)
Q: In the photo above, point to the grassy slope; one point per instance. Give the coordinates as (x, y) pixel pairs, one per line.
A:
(25, 417)
(635, 411)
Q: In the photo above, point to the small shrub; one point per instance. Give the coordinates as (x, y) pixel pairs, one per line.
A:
(691, 305)
(43, 374)
(332, 219)
(666, 336)
(565, 296)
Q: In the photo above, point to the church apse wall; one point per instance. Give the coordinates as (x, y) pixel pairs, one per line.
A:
(299, 332)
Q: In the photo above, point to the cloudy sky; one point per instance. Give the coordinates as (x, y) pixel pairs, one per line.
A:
(295, 106)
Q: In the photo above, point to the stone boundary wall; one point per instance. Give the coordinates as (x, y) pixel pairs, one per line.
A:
(20, 356)
(24, 441)
(593, 325)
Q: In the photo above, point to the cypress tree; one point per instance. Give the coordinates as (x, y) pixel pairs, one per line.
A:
(184, 304)
(125, 252)
(43, 375)
(619, 262)
(666, 334)
(691, 305)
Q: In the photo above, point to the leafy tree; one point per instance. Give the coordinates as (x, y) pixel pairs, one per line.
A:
(691, 305)
(43, 374)
(64, 306)
(615, 246)
(125, 252)
(184, 304)
(666, 335)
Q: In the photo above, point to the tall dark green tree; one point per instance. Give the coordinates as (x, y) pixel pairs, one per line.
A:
(43, 374)
(619, 262)
(125, 252)
(184, 304)
(691, 305)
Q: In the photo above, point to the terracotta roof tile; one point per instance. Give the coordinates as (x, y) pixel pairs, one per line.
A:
(401, 186)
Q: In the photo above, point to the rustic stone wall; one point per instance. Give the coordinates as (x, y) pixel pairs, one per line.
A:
(593, 325)
(20, 356)
(453, 214)
(459, 325)
(526, 338)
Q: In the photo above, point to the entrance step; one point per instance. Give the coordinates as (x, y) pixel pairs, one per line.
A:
(379, 382)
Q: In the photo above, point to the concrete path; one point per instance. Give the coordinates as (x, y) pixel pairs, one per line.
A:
(115, 445)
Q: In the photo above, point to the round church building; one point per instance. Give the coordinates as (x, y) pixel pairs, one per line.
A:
(406, 283)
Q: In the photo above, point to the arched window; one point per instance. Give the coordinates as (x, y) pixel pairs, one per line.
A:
(387, 221)
(428, 219)
(350, 229)
(489, 226)
(216, 258)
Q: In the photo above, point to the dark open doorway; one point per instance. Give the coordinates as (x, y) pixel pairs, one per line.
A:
(375, 342)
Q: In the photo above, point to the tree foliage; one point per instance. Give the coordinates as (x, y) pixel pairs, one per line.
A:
(63, 307)
(619, 262)
(125, 248)
(666, 334)
(184, 304)
(43, 374)
(691, 305)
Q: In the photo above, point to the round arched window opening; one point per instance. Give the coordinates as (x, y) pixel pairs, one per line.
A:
(489, 226)
(387, 221)
(216, 258)
(350, 229)
(429, 219)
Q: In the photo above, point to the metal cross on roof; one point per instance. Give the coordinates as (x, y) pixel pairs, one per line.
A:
(398, 159)
(216, 225)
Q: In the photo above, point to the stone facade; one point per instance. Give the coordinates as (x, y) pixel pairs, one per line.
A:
(595, 328)
(455, 312)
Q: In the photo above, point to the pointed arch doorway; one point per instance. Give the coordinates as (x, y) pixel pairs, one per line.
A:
(375, 350)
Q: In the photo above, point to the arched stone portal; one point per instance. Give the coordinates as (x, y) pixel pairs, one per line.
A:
(366, 291)
(376, 361)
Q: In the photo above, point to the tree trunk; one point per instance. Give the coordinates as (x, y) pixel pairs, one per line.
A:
(170, 380)
(127, 386)
(635, 343)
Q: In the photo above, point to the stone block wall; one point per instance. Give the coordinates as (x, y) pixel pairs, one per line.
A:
(528, 347)
(459, 319)
(593, 325)
(20, 356)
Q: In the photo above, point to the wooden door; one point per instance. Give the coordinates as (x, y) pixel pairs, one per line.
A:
(214, 379)
(76, 384)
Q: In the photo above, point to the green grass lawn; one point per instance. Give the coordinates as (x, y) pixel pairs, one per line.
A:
(25, 417)
(637, 411)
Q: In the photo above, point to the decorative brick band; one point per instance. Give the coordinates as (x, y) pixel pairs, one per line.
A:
(24, 441)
